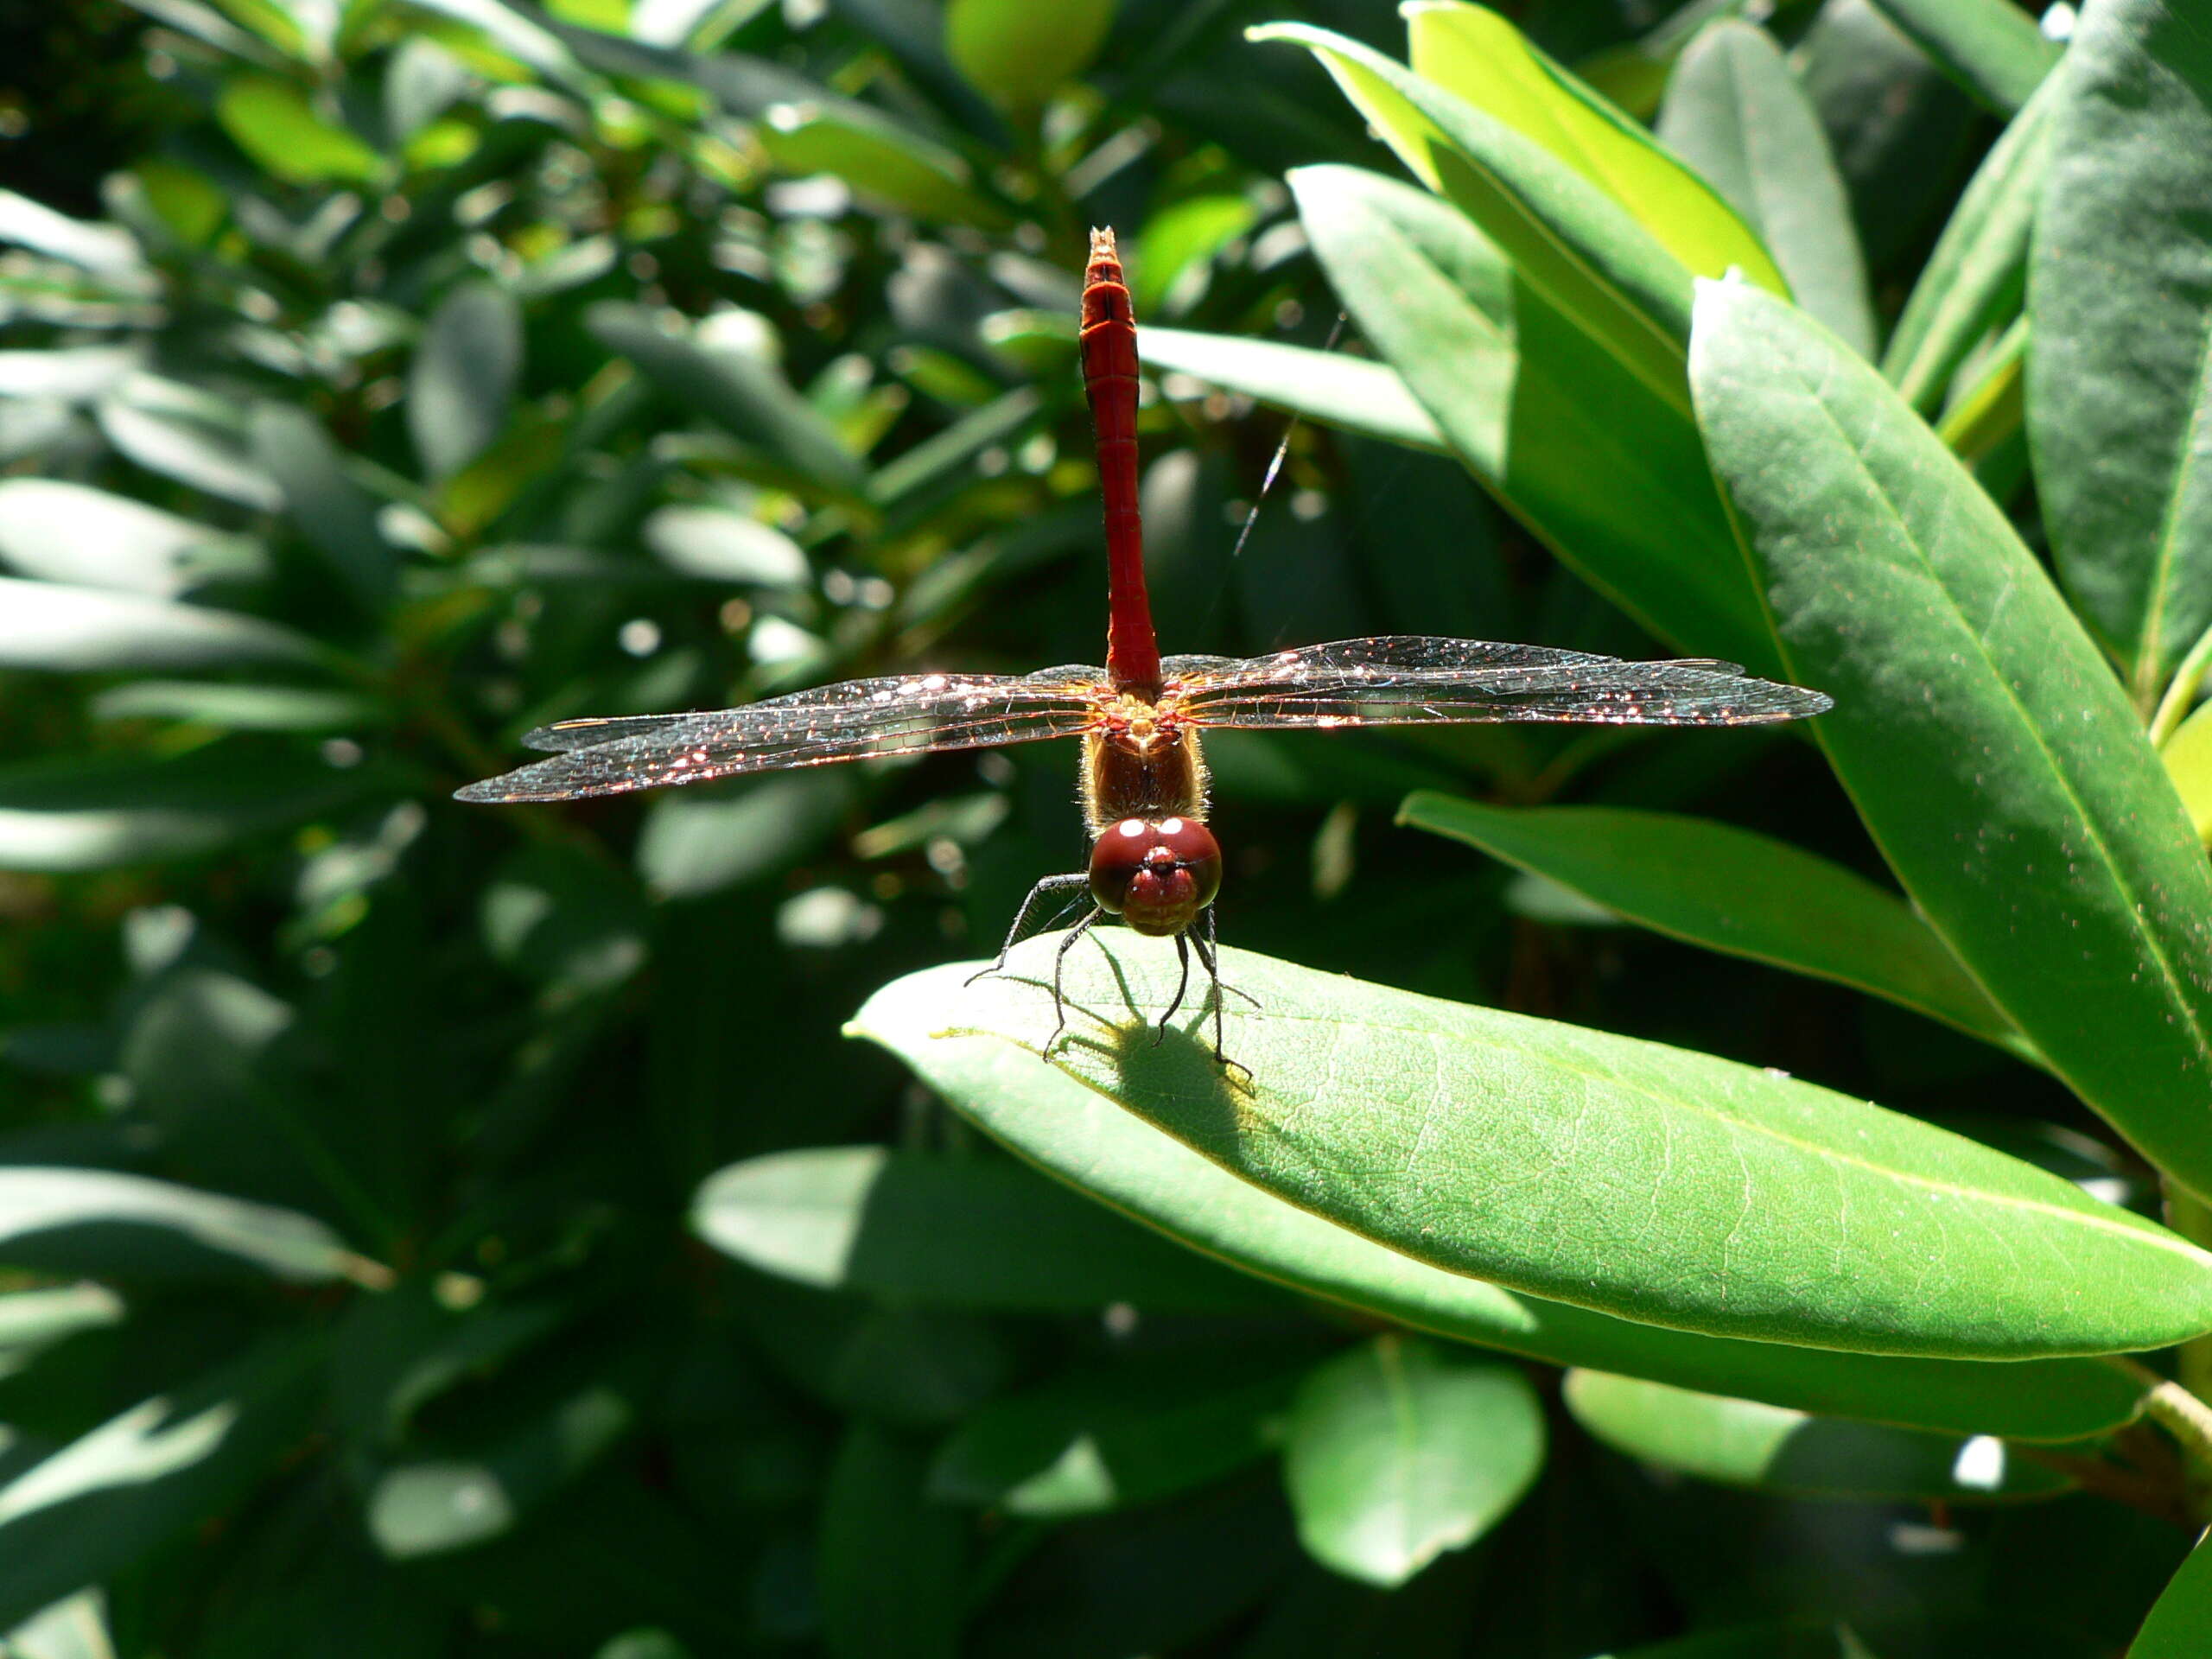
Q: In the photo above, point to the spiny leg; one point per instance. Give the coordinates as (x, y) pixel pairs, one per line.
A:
(1059, 968)
(1021, 929)
(1183, 956)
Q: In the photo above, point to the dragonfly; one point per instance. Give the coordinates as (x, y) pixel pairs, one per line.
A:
(1154, 864)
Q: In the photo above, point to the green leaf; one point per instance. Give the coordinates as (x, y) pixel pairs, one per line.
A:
(880, 160)
(98, 1505)
(1400, 1450)
(718, 544)
(1179, 241)
(890, 1567)
(1085, 1139)
(2180, 1625)
(1094, 1440)
(1986, 426)
(97, 1221)
(1974, 282)
(189, 435)
(461, 384)
(1475, 53)
(434, 1506)
(1018, 53)
(78, 375)
(337, 516)
(1535, 410)
(273, 122)
(104, 250)
(945, 454)
(32, 1321)
(916, 1229)
(1760, 1206)
(2187, 758)
(101, 812)
(737, 391)
(1736, 113)
(1351, 394)
(1729, 889)
(1967, 695)
(63, 533)
(1992, 47)
(1565, 237)
(2118, 401)
(239, 708)
(1743, 1443)
(44, 625)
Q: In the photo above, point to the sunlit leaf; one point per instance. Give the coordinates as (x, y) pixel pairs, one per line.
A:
(274, 123)
(63, 533)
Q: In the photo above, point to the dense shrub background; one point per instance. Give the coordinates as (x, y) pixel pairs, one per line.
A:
(510, 367)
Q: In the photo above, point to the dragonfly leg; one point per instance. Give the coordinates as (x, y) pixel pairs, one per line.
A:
(1059, 968)
(1208, 949)
(1183, 956)
(1051, 886)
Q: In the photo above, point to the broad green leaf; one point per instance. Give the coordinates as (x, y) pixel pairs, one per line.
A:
(1535, 410)
(99, 812)
(889, 1569)
(461, 384)
(62, 532)
(2119, 406)
(1704, 1195)
(45, 625)
(1098, 1440)
(1400, 1450)
(1352, 394)
(1992, 47)
(336, 515)
(433, 1506)
(880, 160)
(2180, 1625)
(97, 1221)
(168, 1462)
(103, 250)
(273, 122)
(1018, 53)
(1179, 241)
(738, 392)
(1085, 1139)
(718, 544)
(1475, 53)
(240, 707)
(1984, 741)
(1729, 889)
(1743, 1443)
(78, 375)
(189, 435)
(2186, 757)
(1736, 113)
(1974, 282)
(32, 1321)
(932, 1230)
(1606, 275)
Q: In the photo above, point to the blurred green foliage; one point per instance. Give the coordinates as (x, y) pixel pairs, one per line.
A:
(431, 1231)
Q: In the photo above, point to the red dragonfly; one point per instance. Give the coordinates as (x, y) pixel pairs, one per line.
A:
(1153, 863)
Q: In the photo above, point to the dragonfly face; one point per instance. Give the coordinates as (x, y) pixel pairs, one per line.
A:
(1155, 876)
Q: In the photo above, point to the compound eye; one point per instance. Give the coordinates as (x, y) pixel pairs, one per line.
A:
(1156, 876)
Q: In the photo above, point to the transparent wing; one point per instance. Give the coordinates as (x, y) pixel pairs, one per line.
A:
(900, 714)
(1402, 678)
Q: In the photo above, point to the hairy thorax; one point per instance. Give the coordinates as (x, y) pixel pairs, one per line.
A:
(1142, 762)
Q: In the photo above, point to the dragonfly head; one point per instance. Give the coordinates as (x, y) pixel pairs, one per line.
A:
(1155, 876)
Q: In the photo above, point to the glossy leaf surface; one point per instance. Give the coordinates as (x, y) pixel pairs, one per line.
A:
(1741, 1443)
(2117, 395)
(1729, 890)
(1400, 1450)
(1708, 1196)
(1967, 695)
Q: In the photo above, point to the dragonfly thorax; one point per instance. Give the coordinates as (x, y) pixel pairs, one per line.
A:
(1141, 762)
(1157, 875)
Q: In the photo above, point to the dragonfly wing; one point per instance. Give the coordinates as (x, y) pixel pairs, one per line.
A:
(900, 714)
(1406, 678)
